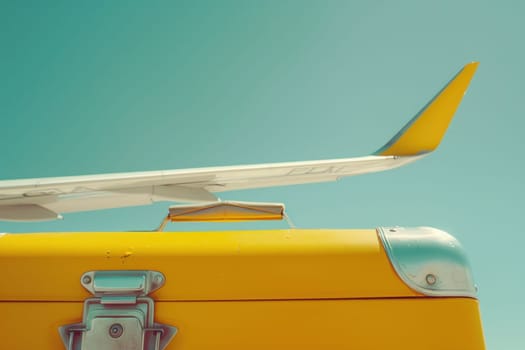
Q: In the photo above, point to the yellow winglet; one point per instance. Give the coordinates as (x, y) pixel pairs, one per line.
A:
(423, 133)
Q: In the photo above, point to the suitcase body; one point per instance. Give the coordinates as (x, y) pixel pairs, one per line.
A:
(389, 288)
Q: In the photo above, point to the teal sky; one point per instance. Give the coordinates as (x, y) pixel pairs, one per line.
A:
(130, 86)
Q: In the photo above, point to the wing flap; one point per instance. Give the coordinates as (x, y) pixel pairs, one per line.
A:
(26, 212)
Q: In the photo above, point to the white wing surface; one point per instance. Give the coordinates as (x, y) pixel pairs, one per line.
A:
(45, 199)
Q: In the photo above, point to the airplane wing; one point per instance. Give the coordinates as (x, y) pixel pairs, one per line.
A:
(46, 198)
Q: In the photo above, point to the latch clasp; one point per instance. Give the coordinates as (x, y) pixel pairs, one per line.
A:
(120, 315)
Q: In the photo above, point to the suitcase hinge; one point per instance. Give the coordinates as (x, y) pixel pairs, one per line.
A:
(120, 315)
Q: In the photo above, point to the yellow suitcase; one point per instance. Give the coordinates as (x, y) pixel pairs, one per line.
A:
(390, 288)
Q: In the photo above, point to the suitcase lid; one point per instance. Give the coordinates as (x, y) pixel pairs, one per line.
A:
(229, 265)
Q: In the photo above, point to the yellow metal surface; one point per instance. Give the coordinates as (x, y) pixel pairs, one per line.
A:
(405, 323)
(235, 265)
(424, 133)
(279, 289)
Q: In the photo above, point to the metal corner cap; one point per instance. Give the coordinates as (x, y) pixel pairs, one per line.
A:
(429, 261)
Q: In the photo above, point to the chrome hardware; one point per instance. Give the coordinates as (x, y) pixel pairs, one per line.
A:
(429, 261)
(121, 315)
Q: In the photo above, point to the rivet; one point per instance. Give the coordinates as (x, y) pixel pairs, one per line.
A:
(116, 330)
(86, 279)
(431, 279)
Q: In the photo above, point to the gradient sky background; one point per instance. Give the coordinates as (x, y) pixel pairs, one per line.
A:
(130, 86)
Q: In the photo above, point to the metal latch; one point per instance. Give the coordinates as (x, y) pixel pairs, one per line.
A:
(120, 315)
